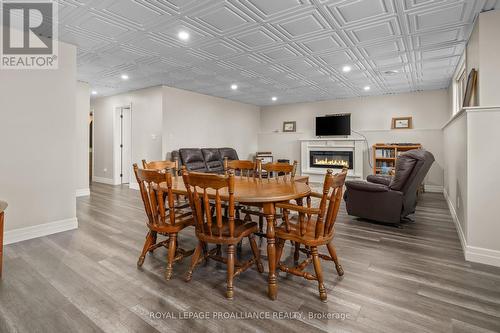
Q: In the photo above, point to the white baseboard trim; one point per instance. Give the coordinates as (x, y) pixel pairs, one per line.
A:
(83, 192)
(472, 253)
(134, 186)
(433, 188)
(483, 256)
(103, 180)
(22, 234)
(456, 220)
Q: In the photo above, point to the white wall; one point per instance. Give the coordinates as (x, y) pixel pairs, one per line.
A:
(482, 52)
(455, 171)
(471, 161)
(483, 137)
(164, 119)
(472, 60)
(371, 116)
(483, 228)
(196, 120)
(471, 188)
(37, 141)
(82, 138)
(489, 63)
(146, 129)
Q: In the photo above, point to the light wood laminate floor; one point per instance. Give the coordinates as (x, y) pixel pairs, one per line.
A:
(410, 279)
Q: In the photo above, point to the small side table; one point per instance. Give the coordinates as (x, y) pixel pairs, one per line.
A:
(3, 206)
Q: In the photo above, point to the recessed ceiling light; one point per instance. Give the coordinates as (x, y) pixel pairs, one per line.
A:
(366, 88)
(391, 72)
(94, 92)
(183, 35)
(274, 98)
(234, 86)
(124, 77)
(346, 69)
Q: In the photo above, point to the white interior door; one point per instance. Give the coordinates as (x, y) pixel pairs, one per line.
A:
(126, 145)
(123, 148)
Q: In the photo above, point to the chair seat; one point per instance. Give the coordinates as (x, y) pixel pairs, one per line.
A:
(183, 219)
(308, 238)
(241, 229)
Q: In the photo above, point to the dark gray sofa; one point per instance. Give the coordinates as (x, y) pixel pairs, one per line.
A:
(204, 159)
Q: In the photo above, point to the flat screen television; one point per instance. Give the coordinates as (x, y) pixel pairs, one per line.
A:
(337, 124)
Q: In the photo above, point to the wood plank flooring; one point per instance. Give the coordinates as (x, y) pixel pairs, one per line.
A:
(410, 279)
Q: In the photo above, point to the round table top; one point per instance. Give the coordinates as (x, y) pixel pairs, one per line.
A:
(3, 206)
(255, 190)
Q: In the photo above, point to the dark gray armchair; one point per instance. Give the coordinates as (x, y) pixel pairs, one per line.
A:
(389, 199)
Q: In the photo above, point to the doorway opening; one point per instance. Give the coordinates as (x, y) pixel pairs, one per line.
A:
(122, 145)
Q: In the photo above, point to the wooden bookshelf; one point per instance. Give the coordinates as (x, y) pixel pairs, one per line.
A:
(385, 155)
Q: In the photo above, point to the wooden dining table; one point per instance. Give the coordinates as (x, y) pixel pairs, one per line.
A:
(264, 193)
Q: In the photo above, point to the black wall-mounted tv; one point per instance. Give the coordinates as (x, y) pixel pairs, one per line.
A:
(337, 124)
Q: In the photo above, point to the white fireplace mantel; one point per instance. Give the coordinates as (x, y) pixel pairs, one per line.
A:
(331, 144)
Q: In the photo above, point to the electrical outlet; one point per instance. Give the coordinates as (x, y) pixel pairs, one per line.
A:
(105, 170)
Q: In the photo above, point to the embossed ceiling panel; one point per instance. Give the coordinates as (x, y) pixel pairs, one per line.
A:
(362, 10)
(291, 49)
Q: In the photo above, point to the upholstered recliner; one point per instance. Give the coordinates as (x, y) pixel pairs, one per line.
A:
(390, 199)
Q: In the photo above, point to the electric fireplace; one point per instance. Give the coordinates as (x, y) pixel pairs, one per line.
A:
(330, 159)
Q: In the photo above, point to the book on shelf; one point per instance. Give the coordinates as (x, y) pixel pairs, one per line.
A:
(384, 153)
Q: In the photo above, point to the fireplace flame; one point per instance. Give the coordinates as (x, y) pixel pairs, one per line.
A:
(332, 162)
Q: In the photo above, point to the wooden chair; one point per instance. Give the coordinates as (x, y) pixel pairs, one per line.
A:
(168, 222)
(173, 168)
(218, 229)
(279, 171)
(248, 170)
(162, 166)
(276, 171)
(315, 227)
(243, 168)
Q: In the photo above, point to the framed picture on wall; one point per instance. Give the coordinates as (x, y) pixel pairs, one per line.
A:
(289, 126)
(402, 123)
